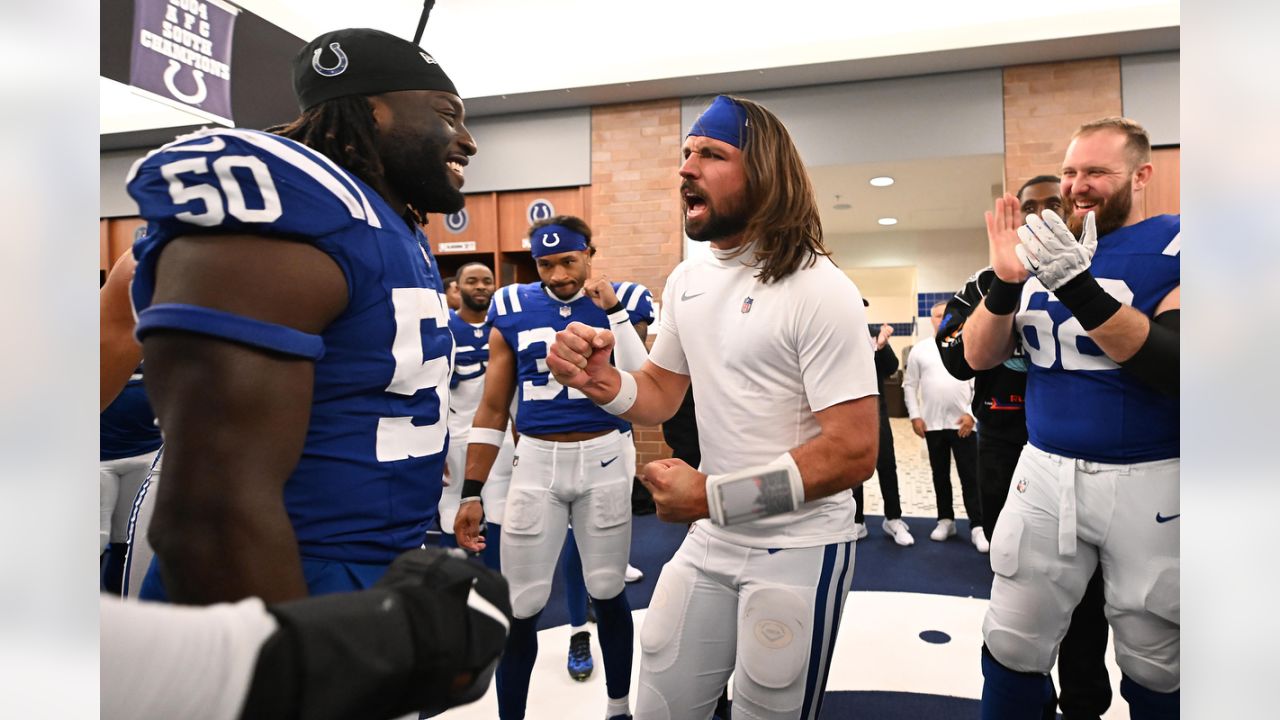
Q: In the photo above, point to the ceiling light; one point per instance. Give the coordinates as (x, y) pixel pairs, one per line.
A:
(882, 181)
(888, 221)
(841, 205)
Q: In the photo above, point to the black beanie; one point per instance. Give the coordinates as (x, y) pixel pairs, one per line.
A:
(361, 61)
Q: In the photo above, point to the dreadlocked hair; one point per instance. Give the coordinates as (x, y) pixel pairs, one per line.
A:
(342, 129)
(786, 225)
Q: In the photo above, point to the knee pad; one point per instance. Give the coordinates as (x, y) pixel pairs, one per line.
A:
(774, 637)
(664, 621)
(1016, 651)
(605, 583)
(1152, 675)
(528, 600)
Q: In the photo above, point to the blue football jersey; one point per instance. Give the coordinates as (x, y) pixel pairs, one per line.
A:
(369, 479)
(472, 349)
(1079, 402)
(529, 317)
(127, 428)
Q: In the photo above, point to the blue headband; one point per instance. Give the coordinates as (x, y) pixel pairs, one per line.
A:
(554, 239)
(724, 120)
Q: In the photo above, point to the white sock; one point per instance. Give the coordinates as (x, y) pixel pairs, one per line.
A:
(575, 629)
(621, 706)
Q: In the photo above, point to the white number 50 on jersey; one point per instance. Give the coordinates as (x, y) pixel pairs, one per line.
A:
(1065, 341)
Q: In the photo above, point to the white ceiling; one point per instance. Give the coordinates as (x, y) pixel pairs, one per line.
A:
(516, 55)
(928, 194)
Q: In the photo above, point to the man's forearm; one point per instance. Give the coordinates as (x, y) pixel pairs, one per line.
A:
(226, 551)
(988, 339)
(1122, 334)
(841, 457)
(654, 403)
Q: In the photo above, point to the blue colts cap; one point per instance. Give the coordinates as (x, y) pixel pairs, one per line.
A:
(553, 239)
(725, 120)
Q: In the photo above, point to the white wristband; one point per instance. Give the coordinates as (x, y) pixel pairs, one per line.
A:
(486, 436)
(625, 398)
(619, 317)
(755, 492)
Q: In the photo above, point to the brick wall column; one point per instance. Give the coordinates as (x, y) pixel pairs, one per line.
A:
(1044, 104)
(635, 206)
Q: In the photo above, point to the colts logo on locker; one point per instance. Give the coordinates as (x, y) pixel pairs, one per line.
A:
(457, 222)
(333, 70)
(540, 209)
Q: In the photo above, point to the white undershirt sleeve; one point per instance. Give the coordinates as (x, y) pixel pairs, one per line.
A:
(629, 352)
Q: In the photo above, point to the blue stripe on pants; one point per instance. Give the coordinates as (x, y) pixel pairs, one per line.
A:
(819, 625)
(841, 595)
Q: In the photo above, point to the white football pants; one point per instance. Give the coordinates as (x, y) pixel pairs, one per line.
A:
(768, 616)
(552, 483)
(1064, 516)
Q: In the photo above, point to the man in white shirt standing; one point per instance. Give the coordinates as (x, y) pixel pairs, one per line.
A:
(773, 337)
(941, 416)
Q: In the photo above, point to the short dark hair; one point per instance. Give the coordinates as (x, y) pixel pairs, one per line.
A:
(572, 222)
(1036, 181)
(449, 281)
(473, 263)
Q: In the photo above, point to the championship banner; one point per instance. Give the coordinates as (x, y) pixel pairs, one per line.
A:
(181, 54)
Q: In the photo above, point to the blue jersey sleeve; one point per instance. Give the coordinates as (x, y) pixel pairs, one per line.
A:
(236, 181)
(637, 299)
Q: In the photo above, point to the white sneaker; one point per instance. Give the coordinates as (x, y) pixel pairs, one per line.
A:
(633, 574)
(979, 537)
(945, 529)
(859, 531)
(897, 529)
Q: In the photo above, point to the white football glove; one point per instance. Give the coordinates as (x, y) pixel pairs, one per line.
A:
(1050, 252)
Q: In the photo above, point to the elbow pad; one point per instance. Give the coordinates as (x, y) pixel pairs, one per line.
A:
(1157, 362)
(426, 638)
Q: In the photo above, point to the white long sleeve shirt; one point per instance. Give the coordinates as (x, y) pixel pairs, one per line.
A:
(942, 400)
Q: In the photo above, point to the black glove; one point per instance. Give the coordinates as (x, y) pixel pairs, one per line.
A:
(426, 638)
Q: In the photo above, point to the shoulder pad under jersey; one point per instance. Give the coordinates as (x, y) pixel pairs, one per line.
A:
(245, 181)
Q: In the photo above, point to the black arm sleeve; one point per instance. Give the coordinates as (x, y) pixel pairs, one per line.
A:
(886, 362)
(950, 336)
(1157, 362)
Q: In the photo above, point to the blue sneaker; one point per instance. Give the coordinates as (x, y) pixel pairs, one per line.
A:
(580, 662)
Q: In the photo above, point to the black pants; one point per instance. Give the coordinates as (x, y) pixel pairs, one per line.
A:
(1082, 670)
(942, 445)
(886, 471)
(997, 459)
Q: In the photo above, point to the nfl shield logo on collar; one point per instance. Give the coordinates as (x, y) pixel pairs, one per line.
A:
(746, 304)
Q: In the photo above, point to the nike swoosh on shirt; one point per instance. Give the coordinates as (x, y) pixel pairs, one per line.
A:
(686, 296)
(605, 463)
(1166, 518)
